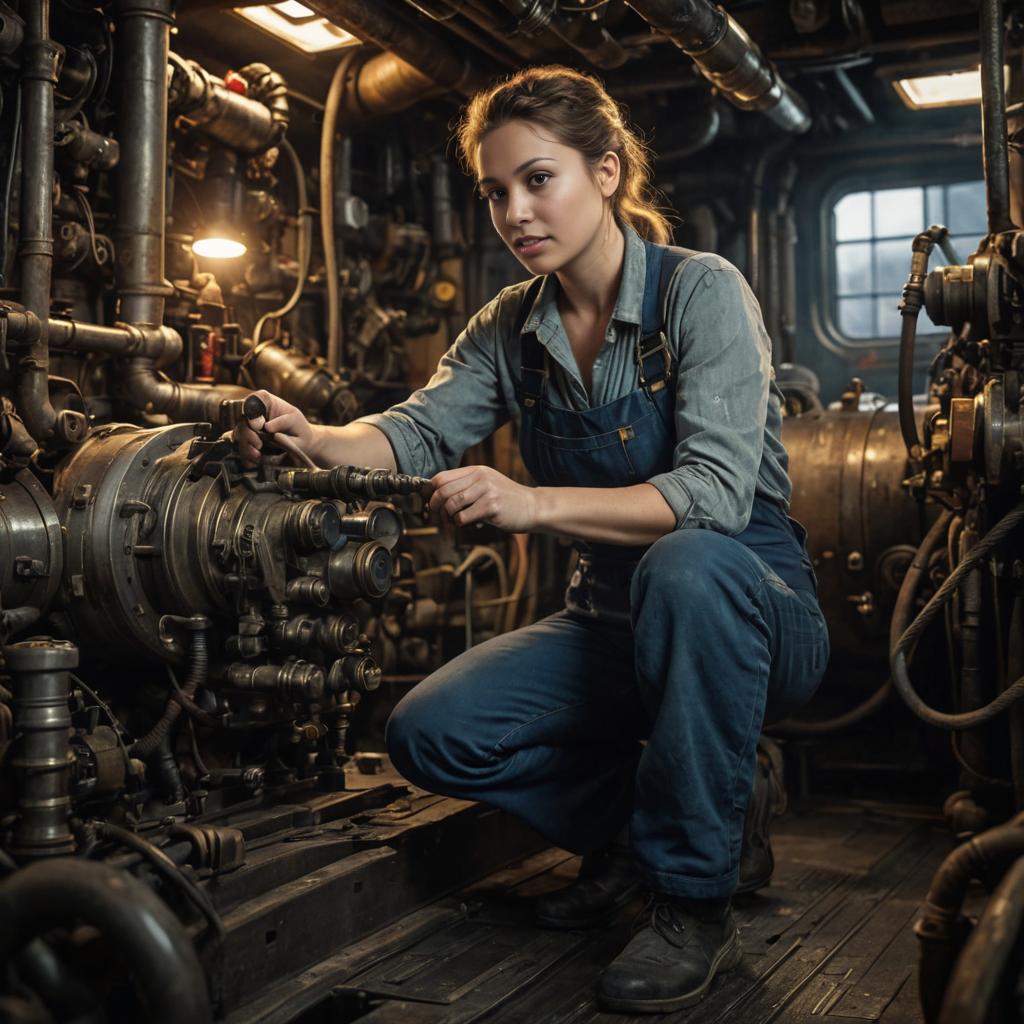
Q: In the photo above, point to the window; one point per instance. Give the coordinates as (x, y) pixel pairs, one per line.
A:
(871, 236)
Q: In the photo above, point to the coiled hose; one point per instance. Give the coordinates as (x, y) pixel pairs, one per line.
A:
(910, 636)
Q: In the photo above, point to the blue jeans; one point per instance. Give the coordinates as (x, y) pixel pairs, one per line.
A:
(547, 721)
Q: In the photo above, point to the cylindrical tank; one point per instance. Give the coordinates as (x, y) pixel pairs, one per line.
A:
(848, 470)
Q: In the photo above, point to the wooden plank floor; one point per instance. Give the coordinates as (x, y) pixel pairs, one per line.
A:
(829, 942)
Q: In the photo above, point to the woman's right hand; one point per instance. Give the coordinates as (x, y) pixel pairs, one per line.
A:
(282, 418)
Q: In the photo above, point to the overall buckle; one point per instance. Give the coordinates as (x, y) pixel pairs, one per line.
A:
(643, 356)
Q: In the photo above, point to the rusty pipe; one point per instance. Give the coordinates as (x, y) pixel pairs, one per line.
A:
(42, 58)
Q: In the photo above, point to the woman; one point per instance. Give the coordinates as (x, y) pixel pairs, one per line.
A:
(652, 431)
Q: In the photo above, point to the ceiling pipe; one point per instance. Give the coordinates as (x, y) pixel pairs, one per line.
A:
(416, 43)
(728, 58)
(590, 41)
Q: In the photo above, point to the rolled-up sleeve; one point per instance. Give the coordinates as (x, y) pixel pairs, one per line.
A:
(722, 385)
(459, 406)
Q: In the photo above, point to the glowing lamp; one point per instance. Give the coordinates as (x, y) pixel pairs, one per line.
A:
(217, 245)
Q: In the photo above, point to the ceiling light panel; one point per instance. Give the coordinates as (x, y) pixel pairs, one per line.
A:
(297, 25)
(949, 89)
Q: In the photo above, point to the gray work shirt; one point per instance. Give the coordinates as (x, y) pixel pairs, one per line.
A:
(727, 411)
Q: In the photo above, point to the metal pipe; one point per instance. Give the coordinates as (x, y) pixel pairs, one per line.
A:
(149, 391)
(162, 344)
(979, 969)
(728, 58)
(144, 26)
(39, 77)
(444, 12)
(995, 151)
(976, 745)
(338, 87)
(42, 758)
(418, 44)
(941, 929)
(601, 49)
(786, 257)
(385, 84)
(250, 123)
(138, 924)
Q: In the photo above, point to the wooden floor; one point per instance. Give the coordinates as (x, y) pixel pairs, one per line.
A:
(829, 942)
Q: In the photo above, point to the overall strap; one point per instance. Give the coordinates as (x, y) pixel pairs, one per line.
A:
(534, 367)
(662, 261)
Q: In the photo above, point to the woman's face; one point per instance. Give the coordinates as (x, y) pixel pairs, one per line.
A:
(546, 203)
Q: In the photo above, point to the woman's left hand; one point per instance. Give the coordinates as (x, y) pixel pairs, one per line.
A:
(473, 494)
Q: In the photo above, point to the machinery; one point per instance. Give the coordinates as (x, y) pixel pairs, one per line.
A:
(199, 656)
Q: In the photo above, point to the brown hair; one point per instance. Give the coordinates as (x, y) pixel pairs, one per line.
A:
(576, 108)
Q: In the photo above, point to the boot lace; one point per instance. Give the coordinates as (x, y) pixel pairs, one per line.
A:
(667, 920)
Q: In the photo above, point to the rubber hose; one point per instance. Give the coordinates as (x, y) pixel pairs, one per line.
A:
(145, 747)
(898, 658)
(910, 308)
(60, 891)
(792, 728)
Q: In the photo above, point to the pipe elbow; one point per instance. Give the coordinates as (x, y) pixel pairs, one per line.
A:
(48, 894)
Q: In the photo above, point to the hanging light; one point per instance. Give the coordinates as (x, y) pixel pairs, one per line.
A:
(218, 235)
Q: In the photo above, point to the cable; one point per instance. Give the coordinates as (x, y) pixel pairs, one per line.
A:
(305, 243)
(117, 726)
(167, 870)
(910, 636)
(99, 257)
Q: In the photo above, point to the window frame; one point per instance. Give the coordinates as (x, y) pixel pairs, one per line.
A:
(871, 176)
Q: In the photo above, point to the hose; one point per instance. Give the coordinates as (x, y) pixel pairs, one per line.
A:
(995, 154)
(898, 656)
(910, 307)
(792, 728)
(335, 95)
(148, 744)
(64, 995)
(305, 243)
(980, 967)
(59, 891)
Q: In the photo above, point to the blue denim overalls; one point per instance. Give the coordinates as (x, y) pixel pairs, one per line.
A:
(682, 644)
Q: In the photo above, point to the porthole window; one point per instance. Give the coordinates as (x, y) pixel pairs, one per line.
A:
(871, 236)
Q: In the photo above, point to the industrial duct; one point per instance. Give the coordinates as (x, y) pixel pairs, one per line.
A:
(728, 58)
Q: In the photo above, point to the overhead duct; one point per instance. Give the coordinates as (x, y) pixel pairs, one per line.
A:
(587, 38)
(728, 58)
(417, 44)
